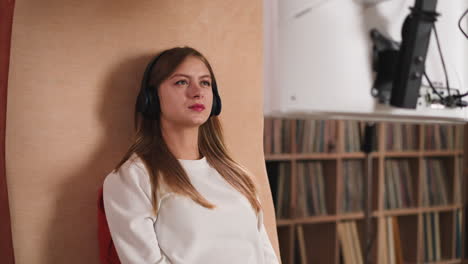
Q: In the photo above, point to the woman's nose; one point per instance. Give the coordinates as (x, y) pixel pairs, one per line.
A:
(195, 90)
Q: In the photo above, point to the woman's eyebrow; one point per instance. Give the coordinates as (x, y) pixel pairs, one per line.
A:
(188, 76)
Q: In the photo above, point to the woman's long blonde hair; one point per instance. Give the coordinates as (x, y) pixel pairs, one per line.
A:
(163, 166)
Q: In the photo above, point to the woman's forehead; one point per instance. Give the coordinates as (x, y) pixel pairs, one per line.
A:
(192, 66)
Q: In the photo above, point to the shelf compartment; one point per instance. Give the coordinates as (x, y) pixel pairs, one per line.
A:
(401, 137)
(400, 181)
(438, 236)
(319, 241)
(437, 181)
(315, 188)
(279, 175)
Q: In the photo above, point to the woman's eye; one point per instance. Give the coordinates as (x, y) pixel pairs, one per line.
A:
(206, 83)
(181, 82)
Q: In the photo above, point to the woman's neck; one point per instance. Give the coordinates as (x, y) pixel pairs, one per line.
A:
(182, 142)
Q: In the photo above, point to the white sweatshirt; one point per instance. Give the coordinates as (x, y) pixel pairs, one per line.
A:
(183, 232)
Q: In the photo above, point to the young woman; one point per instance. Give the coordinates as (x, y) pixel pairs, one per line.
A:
(177, 196)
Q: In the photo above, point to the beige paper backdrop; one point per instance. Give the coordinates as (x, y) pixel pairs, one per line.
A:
(75, 71)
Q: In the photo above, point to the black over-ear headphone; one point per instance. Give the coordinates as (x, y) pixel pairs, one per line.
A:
(148, 101)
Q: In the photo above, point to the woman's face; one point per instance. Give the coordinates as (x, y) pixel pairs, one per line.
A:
(186, 96)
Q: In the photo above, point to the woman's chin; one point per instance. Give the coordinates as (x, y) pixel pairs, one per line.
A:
(196, 122)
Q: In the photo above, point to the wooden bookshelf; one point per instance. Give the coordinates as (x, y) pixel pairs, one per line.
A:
(411, 165)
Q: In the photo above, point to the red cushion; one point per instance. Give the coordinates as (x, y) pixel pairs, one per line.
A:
(107, 252)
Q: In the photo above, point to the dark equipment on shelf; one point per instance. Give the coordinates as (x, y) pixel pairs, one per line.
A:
(368, 143)
(400, 67)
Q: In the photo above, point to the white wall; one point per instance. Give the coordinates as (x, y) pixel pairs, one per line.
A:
(321, 56)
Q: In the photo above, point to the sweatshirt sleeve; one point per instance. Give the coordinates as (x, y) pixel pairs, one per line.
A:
(127, 203)
(268, 251)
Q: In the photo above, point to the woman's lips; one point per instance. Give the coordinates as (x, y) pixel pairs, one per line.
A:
(197, 107)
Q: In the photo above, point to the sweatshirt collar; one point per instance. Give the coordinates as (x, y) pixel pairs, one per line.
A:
(193, 164)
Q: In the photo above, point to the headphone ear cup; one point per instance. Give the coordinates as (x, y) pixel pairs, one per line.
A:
(139, 103)
(216, 108)
(153, 102)
(142, 103)
(147, 104)
(216, 105)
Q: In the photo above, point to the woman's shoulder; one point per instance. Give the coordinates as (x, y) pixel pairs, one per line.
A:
(131, 174)
(133, 167)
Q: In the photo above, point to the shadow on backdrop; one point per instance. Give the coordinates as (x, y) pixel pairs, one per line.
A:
(73, 225)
